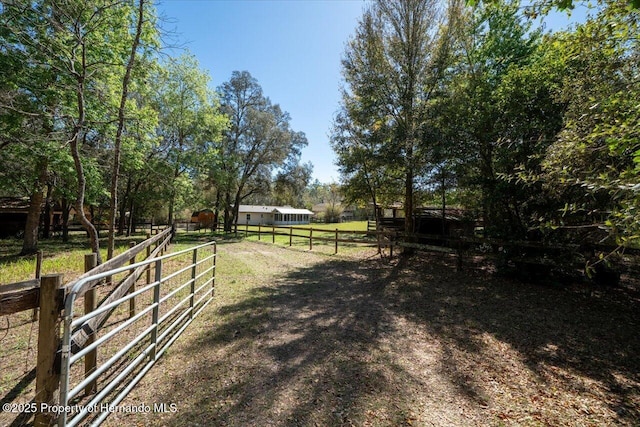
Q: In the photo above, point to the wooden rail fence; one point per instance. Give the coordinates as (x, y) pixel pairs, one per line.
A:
(541, 257)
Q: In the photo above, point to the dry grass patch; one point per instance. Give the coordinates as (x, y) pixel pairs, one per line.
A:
(297, 338)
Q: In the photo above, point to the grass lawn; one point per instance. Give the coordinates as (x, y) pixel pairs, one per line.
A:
(58, 257)
(323, 236)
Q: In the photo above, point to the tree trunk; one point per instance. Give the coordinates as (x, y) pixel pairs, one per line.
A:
(408, 202)
(130, 221)
(32, 226)
(79, 204)
(123, 209)
(216, 211)
(171, 206)
(65, 220)
(444, 200)
(118, 141)
(75, 153)
(46, 229)
(227, 213)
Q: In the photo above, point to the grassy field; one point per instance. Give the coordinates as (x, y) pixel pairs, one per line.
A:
(68, 258)
(323, 236)
(58, 257)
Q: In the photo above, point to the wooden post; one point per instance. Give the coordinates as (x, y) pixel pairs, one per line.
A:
(290, 235)
(311, 238)
(132, 301)
(273, 234)
(90, 301)
(390, 245)
(47, 373)
(336, 251)
(246, 229)
(259, 231)
(34, 316)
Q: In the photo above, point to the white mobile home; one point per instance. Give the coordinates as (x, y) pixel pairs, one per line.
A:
(272, 215)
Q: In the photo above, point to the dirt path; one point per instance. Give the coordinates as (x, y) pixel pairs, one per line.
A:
(296, 338)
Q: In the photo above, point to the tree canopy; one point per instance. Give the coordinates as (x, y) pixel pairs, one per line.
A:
(533, 131)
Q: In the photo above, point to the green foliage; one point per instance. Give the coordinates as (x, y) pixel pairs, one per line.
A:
(392, 67)
(594, 163)
(502, 114)
(189, 122)
(290, 184)
(259, 140)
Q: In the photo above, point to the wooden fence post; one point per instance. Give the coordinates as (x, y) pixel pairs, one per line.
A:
(259, 231)
(132, 301)
(34, 316)
(290, 235)
(47, 371)
(273, 234)
(246, 229)
(310, 238)
(336, 242)
(90, 301)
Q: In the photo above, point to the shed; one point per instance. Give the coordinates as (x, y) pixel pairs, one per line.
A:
(13, 215)
(430, 220)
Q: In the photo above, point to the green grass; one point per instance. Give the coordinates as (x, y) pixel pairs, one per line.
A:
(300, 238)
(58, 257)
(68, 258)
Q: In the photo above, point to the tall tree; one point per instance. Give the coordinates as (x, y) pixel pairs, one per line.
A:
(189, 122)
(501, 111)
(258, 140)
(140, 17)
(71, 45)
(392, 67)
(290, 184)
(26, 123)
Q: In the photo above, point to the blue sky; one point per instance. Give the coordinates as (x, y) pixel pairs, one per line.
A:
(292, 47)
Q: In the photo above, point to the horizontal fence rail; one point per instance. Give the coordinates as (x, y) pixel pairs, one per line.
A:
(181, 287)
(545, 254)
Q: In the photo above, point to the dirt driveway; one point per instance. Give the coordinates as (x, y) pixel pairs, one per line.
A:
(299, 338)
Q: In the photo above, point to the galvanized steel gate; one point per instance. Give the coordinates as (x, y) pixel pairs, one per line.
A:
(134, 342)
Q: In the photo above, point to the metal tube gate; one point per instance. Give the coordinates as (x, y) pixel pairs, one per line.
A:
(171, 307)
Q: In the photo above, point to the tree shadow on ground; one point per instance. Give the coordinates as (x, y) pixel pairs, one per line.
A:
(360, 342)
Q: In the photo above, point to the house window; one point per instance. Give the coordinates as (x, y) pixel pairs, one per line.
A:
(248, 217)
